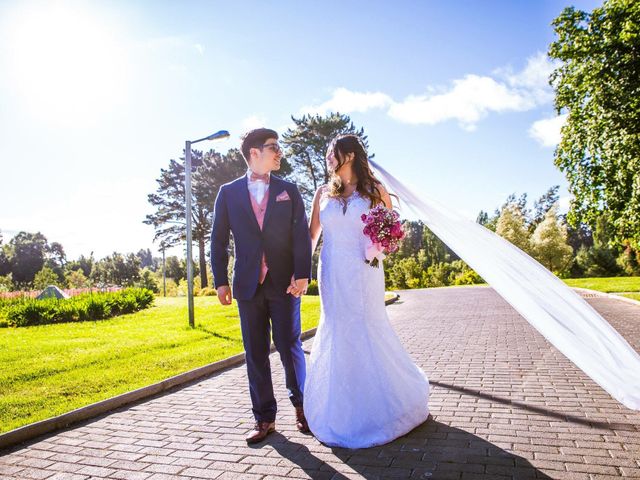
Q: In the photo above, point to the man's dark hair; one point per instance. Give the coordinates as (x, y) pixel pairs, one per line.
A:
(255, 139)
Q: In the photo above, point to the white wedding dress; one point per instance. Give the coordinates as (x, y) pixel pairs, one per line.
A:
(362, 388)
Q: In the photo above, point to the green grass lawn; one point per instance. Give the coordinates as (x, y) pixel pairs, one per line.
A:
(606, 284)
(51, 369)
(634, 296)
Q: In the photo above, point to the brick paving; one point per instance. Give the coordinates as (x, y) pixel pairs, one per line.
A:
(504, 403)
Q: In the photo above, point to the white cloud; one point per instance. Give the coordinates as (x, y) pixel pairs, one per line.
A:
(346, 101)
(199, 47)
(534, 78)
(547, 131)
(254, 121)
(466, 100)
(470, 99)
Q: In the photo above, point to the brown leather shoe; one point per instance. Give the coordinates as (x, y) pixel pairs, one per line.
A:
(260, 431)
(301, 421)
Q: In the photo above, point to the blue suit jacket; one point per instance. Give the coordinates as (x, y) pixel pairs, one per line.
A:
(284, 238)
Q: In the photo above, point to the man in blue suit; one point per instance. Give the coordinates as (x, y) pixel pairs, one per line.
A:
(272, 267)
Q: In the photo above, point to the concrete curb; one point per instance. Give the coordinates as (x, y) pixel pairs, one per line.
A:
(596, 293)
(49, 425)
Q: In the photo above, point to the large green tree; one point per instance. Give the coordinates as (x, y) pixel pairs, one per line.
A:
(306, 145)
(169, 219)
(597, 84)
(27, 254)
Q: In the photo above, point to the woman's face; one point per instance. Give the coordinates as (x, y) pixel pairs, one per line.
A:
(332, 161)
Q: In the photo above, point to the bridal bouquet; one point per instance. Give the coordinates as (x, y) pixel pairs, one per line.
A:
(384, 229)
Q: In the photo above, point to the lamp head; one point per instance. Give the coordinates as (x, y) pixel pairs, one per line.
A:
(218, 135)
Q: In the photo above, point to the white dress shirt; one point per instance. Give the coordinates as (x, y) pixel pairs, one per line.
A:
(257, 188)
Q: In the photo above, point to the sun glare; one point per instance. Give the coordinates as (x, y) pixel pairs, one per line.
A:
(66, 65)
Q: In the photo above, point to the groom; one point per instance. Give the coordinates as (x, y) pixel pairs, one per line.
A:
(272, 266)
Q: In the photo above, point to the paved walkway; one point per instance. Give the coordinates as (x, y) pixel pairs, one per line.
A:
(505, 404)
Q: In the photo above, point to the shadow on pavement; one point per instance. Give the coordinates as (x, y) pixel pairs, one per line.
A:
(431, 451)
(532, 408)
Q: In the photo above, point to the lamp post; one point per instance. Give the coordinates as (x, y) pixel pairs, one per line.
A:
(187, 189)
(163, 247)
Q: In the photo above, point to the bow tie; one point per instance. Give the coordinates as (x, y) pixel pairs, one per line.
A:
(255, 177)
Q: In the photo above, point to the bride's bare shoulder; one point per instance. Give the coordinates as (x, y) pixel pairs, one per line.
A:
(384, 193)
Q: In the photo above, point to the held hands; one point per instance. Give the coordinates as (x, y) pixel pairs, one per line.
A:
(224, 294)
(298, 287)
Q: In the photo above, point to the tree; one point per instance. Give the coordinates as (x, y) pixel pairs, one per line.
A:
(482, 218)
(169, 220)
(549, 243)
(306, 145)
(76, 279)
(46, 277)
(511, 226)
(176, 268)
(84, 264)
(27, 256)
(146, 258)
(599, 260)
(433, 250)
(597, 83)
(412, 241)
(6, 284)
(56, 260)
(117, 269)
(543, 205)
(580, 236)
(5, 264)
(148, 280)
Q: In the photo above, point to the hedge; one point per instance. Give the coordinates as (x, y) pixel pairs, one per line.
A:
(89, 306)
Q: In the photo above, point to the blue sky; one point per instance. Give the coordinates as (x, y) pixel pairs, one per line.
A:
(96, 97)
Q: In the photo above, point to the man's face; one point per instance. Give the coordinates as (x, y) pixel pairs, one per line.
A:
(267, 157)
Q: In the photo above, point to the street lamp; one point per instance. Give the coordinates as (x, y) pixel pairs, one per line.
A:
(187, 189)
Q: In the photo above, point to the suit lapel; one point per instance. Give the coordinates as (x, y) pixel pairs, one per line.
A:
(275, 187)
(245, 200)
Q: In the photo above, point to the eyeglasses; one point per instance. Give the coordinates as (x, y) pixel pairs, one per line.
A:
(274, 147)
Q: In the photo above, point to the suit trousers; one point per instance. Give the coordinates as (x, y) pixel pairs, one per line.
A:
(272, 313)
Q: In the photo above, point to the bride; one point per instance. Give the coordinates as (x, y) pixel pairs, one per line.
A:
(362, 387)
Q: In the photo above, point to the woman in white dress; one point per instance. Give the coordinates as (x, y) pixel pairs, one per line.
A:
(362, 388)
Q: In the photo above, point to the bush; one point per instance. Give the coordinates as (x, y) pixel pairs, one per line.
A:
(89, 306)
(629, 260)
(148, 281)
(597, 261)
(208, 292)
(312, 289)
(467, 277)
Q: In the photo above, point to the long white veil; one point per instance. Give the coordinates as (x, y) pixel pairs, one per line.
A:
(557, 312)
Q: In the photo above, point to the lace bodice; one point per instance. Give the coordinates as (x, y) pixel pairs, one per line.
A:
(341, 223)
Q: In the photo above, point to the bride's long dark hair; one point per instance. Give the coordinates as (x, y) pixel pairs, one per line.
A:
(368, 184)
